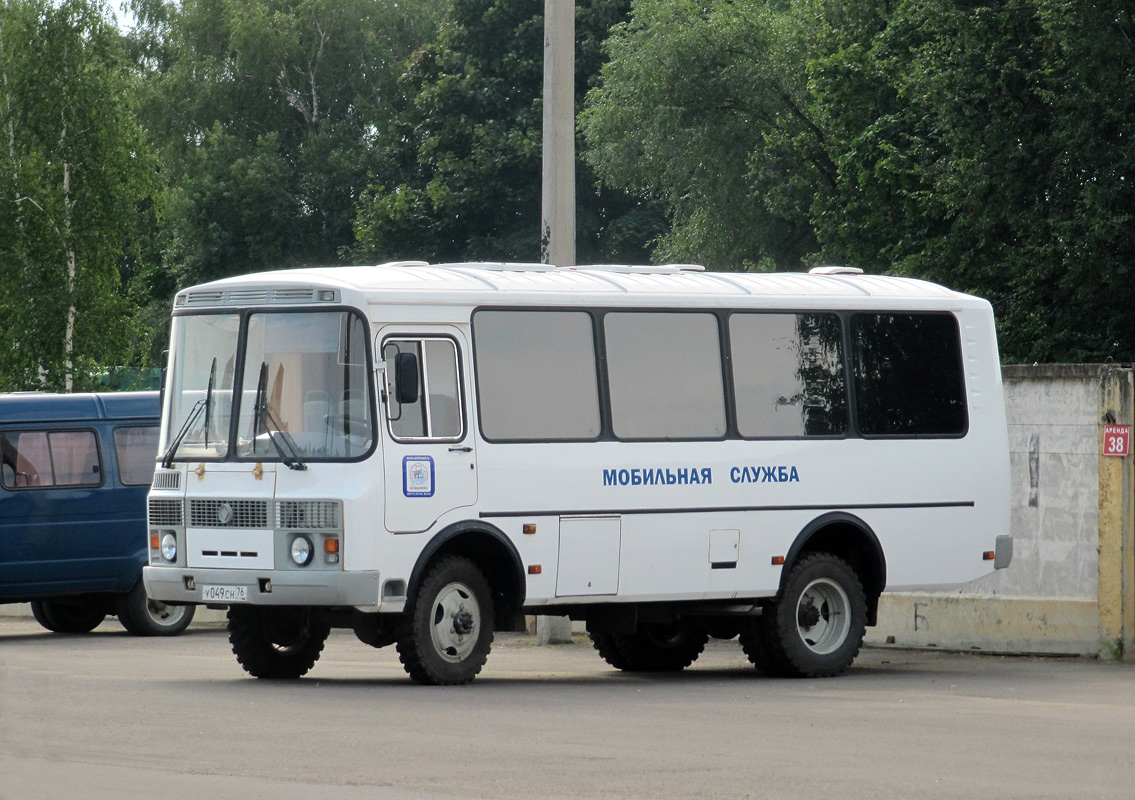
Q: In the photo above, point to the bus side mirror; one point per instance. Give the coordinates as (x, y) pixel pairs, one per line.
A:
(406, 378)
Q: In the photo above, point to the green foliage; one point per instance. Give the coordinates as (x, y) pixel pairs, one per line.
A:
(984, 145)
(461, 175)
(72, 177)
(265, 112)
(998, 162)
(704, 105)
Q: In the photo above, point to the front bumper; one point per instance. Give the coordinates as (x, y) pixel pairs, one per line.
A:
(266, 587)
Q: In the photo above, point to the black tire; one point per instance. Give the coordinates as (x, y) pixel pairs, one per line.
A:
(760, 654)
(77, 616)
(816, 627)
(142, 616)
(448, 630)
(276, 642)
(655, 647)
(608, 647)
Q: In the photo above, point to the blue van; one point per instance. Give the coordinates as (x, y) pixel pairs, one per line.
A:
(74, 473)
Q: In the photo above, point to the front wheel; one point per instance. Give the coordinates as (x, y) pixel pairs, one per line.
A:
(77, 616)
(143, 616)
(276, 642)
(448, 631)
(816, 627)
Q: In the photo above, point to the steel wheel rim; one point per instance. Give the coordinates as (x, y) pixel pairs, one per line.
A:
(455, 622)
(823, 616)
(164, 615)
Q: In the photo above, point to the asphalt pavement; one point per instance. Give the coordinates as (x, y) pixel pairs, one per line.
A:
(112, 716)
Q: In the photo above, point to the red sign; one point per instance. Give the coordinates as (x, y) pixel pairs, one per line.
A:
(1117, 440)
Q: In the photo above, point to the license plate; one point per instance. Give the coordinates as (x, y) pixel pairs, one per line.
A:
(224, 594)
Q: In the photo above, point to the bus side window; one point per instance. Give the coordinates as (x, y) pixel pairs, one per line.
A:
(436, 411)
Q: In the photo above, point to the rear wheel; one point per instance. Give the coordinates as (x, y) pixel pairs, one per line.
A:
(69, 616)
(448, 630)
(654, 647)
(276, 642)
(142, 616)
(815, 629)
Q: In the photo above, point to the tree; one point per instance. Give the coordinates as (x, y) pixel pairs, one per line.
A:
(73, 172)
(265, 113)
(984, 145)
(999, 163)
(461, 172)
(705, 106)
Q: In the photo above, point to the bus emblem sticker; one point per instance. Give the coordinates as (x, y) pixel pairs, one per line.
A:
(418, 476)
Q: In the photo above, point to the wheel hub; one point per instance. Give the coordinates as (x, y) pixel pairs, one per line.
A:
(463, 623)
(808, 616)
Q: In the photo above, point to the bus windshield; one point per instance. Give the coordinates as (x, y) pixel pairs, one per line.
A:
(302, 391)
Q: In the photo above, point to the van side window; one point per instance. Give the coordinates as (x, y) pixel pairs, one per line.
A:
(536, 375)
(437, 412)
(908, 375)
(788, 375)
(50, 458)
(665, 375)
(137, 449)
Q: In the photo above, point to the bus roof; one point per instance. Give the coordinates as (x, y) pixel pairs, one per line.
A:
(22, 407)
(501, 283)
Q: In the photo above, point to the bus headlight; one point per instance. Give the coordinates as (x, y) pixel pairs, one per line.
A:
(302, 551)
(169, 547)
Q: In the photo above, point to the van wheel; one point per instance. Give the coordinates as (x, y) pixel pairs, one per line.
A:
(276, 642)
(142, 616)
(448, 630)
(656, 647)
(815, 629)
(80, 616)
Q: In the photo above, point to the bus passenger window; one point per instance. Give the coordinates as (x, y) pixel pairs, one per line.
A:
(665, 375)
(788, 377)
(908, 375)
(536, 375)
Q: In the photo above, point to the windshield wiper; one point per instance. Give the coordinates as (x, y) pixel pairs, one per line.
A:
(209, 398)
(291, 460)
(194, 413)
(206, 404)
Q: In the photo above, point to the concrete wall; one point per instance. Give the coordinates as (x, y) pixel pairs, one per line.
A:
(1048, 600)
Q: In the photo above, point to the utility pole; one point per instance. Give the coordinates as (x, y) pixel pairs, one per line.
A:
(557, 194)
(557, 200)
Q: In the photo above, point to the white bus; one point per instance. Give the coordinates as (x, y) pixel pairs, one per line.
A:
(426, 453)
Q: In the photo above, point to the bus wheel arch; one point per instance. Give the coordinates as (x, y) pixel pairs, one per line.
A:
(850, 538)
(492, 552)
(829, 592)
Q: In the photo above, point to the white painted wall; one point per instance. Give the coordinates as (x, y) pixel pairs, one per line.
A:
(1046, 601)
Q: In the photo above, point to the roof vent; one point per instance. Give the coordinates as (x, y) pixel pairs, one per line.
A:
(835, 271)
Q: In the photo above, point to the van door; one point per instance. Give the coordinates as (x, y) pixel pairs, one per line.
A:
(64, 528)
(429, 455)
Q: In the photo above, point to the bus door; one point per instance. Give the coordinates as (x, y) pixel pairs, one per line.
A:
(429, 455)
